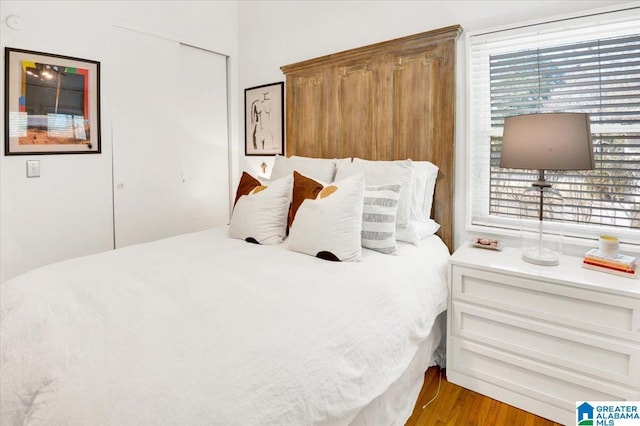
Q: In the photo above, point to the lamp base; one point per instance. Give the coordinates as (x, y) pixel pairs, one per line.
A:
(540, 256)
(541, 217)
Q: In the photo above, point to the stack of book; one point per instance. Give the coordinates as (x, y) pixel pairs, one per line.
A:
(624, 265)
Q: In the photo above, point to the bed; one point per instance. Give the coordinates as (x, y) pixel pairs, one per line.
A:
(211, 328)
(167, 333)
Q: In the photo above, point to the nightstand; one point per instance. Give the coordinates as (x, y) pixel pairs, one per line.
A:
(541, 338)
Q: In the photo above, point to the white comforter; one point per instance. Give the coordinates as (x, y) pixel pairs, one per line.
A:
(204, 329)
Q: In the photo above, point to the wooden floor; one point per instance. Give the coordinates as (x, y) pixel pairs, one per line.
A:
(458, 406)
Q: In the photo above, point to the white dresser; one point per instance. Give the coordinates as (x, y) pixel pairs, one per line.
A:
(541, 338)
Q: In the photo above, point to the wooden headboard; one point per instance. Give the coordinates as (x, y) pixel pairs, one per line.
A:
(387, 101)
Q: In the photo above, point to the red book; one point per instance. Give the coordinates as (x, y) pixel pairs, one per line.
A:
(615, 268)
(610, 270)
(607, 264)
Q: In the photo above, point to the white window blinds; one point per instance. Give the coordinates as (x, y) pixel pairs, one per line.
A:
(590, 64)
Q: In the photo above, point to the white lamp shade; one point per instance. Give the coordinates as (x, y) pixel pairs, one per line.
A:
(550, 141)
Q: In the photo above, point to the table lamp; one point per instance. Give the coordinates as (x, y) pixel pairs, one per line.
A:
(548, 141)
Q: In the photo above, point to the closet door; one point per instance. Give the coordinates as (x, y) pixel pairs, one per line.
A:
(170, 143)
(203, 138)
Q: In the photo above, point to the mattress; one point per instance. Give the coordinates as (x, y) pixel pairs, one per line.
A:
(205, 329)
(396, 404)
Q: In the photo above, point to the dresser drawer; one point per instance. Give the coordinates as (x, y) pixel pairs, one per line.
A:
(553, 386)
(607, 314)
(570, 349)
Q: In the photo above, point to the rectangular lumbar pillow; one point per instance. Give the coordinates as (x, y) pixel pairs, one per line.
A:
(415, 232)
(260, 211)
(379, 218)
(325, 221)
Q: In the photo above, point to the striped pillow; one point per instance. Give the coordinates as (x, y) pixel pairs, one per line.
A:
(379, 218)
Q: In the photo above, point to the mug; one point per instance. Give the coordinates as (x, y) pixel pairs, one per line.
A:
(608, 246)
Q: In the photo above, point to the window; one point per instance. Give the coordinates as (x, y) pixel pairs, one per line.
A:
(590, 64)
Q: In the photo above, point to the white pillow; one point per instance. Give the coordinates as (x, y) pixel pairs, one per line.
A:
(329, 226)
(260, 212)
(342, 162)
(379, 218)
(424, 183)
(415, 231)
(323, 169)
(381, 173)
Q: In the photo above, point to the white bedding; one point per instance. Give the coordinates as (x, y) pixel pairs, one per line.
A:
(205, 329)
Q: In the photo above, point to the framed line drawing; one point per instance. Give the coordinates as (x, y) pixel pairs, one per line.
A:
(52, 104)
(264, 119)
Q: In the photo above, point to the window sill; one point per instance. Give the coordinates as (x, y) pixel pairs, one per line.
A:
(573, 246)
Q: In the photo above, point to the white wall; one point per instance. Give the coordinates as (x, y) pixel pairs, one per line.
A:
(276, 33)
(67, 212)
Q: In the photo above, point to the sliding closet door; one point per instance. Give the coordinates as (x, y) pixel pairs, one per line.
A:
(203, 137)
(170, 144)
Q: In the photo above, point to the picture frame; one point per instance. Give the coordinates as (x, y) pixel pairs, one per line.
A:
(264, 120)
(52, 104)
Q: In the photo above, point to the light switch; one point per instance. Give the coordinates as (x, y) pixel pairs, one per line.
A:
(33, 168)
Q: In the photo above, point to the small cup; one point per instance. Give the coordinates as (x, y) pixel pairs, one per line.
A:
(608, 246)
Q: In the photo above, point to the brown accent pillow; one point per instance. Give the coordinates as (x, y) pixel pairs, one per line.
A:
(246, 185)
(303, 188)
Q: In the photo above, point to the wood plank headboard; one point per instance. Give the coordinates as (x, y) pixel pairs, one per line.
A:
(386, 101)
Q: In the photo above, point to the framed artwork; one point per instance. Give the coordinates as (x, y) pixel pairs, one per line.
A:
(52, 104)
(264, 120)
